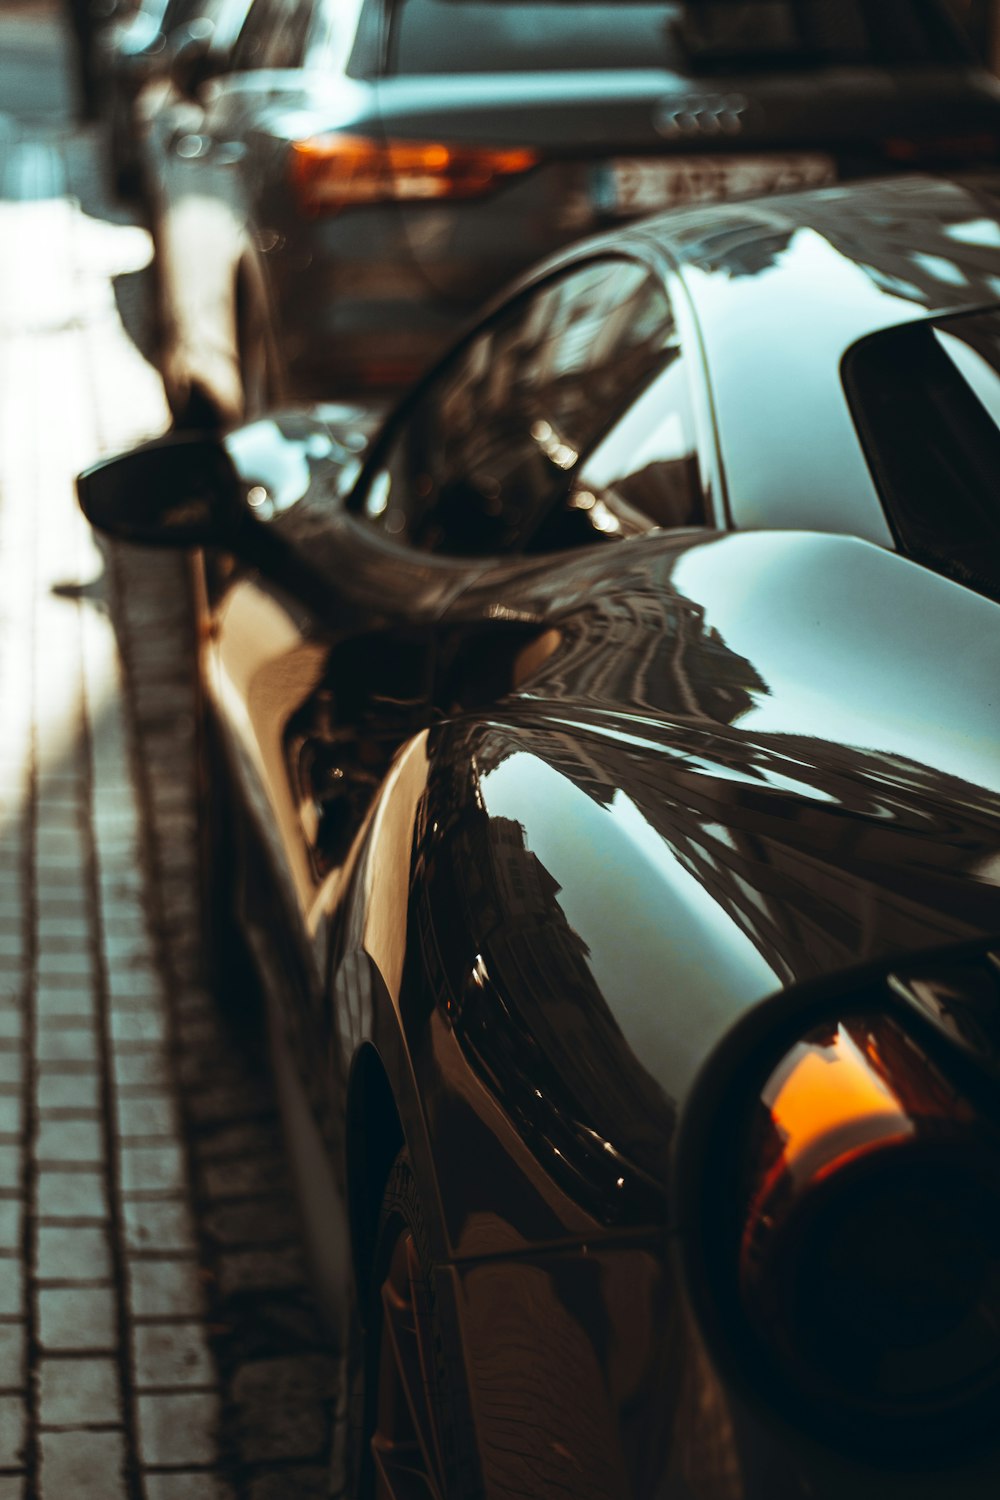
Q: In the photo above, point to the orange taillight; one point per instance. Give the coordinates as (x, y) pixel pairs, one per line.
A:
(336, 171)
(854, 1087)
(866, 1241)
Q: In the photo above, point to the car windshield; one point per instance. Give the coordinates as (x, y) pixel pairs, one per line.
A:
(926, 400)
(700, 36)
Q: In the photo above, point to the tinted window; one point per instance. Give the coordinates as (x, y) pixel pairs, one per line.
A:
(486, 458)
(718, 34)
(502, 36)
(473, 36)
(926, 399)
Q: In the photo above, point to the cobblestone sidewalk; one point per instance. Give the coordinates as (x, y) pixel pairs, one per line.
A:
(157, 1340)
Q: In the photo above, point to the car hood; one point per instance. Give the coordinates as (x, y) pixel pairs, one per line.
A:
(746, 765)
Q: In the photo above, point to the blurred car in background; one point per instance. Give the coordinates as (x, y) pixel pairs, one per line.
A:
(132, 52)
(603, 774)
(136, 56)
(366, 172)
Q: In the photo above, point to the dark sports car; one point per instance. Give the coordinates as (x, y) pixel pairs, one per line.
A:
(607, 787)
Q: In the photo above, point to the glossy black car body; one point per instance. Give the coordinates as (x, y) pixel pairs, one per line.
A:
(311, 242)
(553, 854)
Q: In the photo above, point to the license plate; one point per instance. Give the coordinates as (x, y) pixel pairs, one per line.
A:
(641, 186)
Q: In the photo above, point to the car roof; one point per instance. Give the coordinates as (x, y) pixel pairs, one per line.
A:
(783, 287)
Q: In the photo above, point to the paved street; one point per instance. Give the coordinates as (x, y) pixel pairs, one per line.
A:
(156, 1336)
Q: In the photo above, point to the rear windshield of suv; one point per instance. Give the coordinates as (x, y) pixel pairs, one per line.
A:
(926, 402)
(699, 36)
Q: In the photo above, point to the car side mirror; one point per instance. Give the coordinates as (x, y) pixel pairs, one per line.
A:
(173, 492)
(194, 62)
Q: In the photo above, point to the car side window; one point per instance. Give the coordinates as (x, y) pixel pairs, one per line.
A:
(645, 473)
(484, 461)
(273, 35)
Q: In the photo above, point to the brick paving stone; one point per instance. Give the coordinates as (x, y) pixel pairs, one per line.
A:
(178, 1430)
(152, 1169)
(11, 1024)
(13, 1341)
(72, 1003)
(11, 1067)
(173, 1354)
(11, 1220)
(63, 942)
(71, 1318)
(241, 1178)
(84, 1465)
(130, 948)
(152, 1115)
(165, 1288)
(246, 1138)
(65, 1043)
(80, 984)
(141, 1026)
(125, 917)
(71, 1195)
(283, 1407)
(253, 1222)
(134, 983)
(261, 1270)
(62, 1140)
(11, 1286)
(10, 1166)
(78, 1092)
(11, 1114)
(74, 965)
(158, 1224)
(56, 927)
(79, 1393)
(13, 1429)
(11, 1487)
(189, 1486)
(141, 1070)
(71, 1253)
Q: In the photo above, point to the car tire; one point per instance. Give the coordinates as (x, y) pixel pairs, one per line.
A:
(413, 1404)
